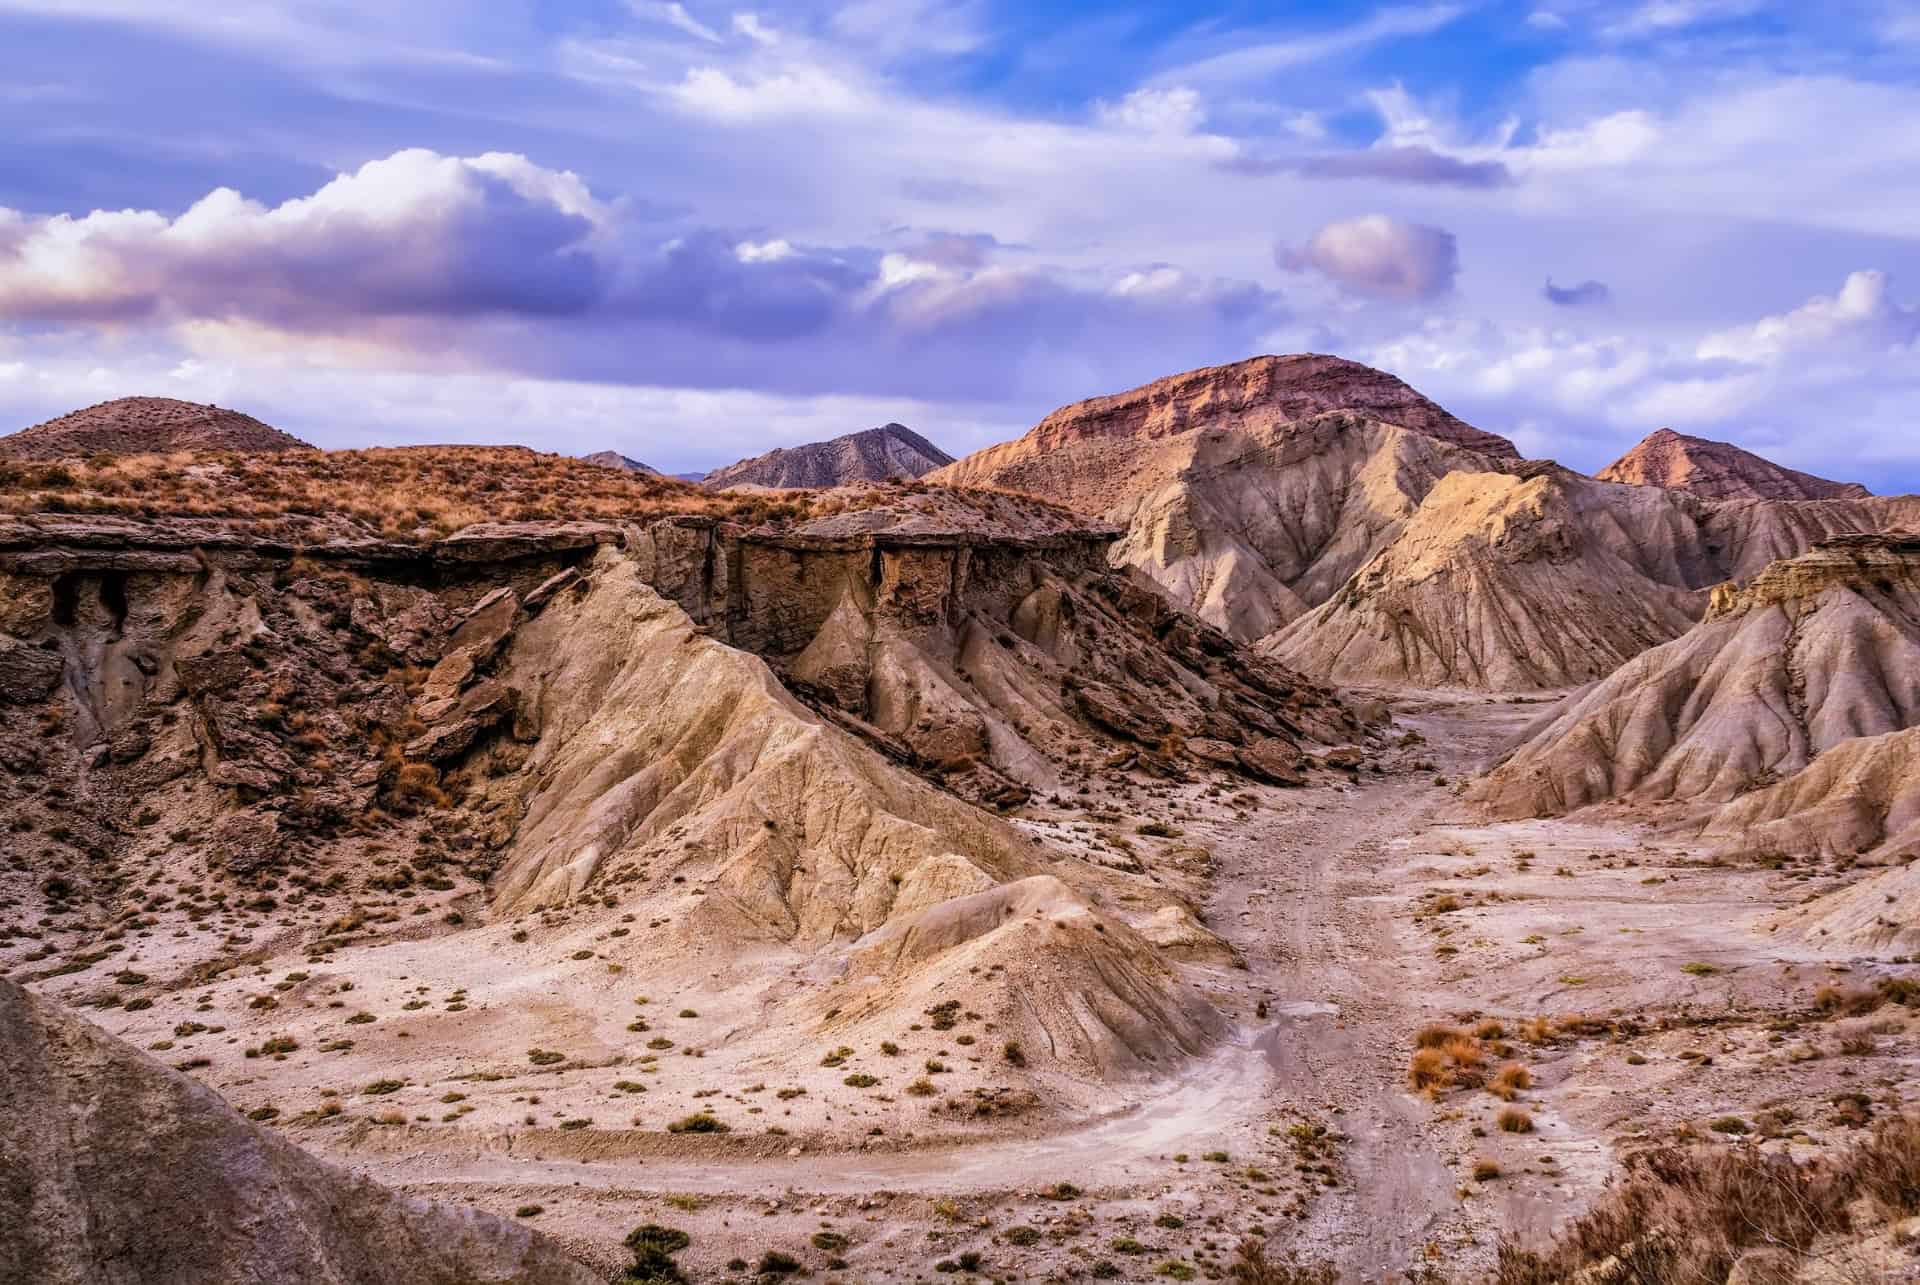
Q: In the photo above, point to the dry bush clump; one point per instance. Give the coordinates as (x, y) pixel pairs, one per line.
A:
(393, 492)
(1251, 1266)
(1447, 1057)
(1685, 1215)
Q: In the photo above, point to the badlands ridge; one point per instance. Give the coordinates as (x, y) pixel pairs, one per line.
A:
(1196, 836)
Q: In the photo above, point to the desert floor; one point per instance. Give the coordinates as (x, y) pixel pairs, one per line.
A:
(1364, 911)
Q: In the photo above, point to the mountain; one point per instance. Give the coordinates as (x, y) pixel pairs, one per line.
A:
(1250, 492)
(1251, 397)
(146, 426)
(1719, 471)
(118, 1168)
(614, 459)
(1333, 515)
(1813, 652)
(890, 452)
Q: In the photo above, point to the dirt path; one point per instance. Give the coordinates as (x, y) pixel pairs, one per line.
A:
(1299, 893)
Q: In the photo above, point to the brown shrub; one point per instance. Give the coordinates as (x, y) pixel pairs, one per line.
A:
(1687, 1214)
(1511, 1079)
(1428, 1071)
(1851, 1001)
(1251, 1266)
(1515, 1120)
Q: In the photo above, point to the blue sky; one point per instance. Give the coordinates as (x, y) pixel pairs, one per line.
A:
(696, 230)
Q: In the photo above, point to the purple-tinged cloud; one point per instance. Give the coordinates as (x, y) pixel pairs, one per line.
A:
(1412, 164)
(416, 234)
(1585, 295)
(426, 262)
(1381, 256)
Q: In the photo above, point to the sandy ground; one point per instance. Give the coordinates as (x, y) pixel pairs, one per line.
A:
(1363, 910)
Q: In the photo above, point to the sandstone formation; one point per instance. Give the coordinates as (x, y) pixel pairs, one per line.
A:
(1250, 492)
(115, 1168)
(146, 425)
(1252, 396)
(655, 742)
(986, 640)
(1719, 471)
(1298, 502)
(892, 452)
(1814, 652)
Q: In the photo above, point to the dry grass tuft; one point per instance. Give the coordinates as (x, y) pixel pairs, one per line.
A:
(1688, 1214)
(407, 493)
(1510, 1080)
(1251, 1266)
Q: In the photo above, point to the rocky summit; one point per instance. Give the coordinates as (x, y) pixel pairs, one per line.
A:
(1719, 471)
(1258, 805)
(890, 453)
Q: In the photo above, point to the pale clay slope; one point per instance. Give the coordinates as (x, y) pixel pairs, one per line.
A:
(1859, 799)
(118, 1171)
(1817, 651)
(654, 736)
(659, 745)
(1249, 491)
(1507, 583)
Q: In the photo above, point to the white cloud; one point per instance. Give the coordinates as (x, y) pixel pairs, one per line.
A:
(676, 16)
(1655, 17)
(1177, 110)
(895, 29)
(764, 251)
(1253, 60)
(1862, 315)
(757, 96)
(753, 28)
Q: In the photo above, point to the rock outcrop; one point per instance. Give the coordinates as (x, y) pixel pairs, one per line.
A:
(1507, 582)
(1812, 653)
(1719, 471)
(614, 459)
(892, 452)
(1254, 396)
(656, 742)
(146, 426)
(987, 640)
(115, 1168)
(569, 719)
(1250, 492)
(1298, 502)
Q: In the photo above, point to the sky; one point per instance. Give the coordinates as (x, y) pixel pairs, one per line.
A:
(691, 231)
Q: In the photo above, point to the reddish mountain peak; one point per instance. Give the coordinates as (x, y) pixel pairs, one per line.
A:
(1719, 471)
(1258, 393)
